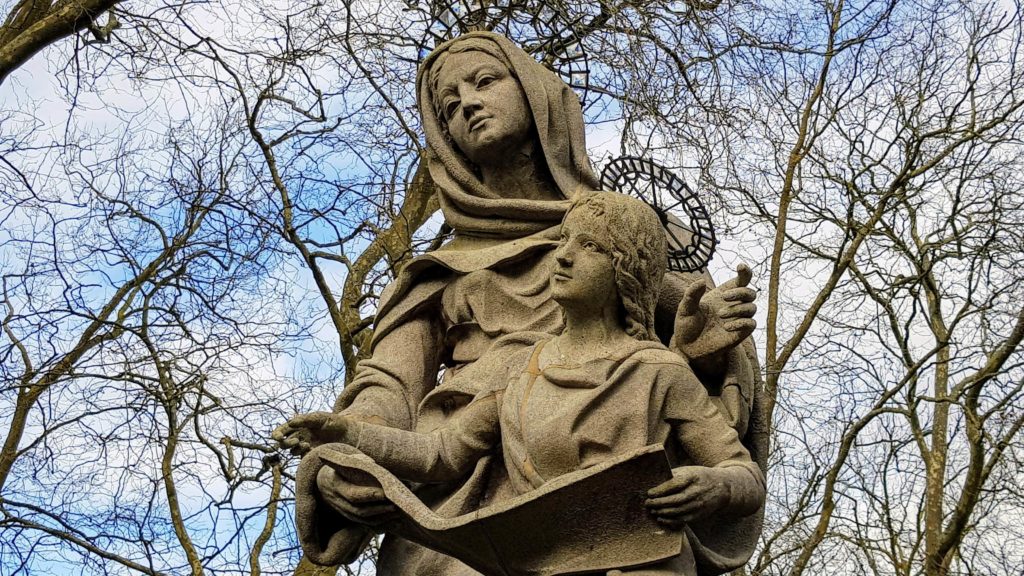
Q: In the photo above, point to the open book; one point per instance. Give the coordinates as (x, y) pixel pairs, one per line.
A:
(588, 521)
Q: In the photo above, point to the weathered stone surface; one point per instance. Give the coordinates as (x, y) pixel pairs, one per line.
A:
(549, 339)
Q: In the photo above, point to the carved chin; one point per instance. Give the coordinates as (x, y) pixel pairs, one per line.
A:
(486, 145)
(566, 290)
(493, 142)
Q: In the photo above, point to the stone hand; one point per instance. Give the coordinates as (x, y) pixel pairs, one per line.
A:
(358, 503)
(694, 492)
(710, 322)
(306, 431)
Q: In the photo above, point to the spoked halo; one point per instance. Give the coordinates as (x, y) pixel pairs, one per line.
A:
(691, 236)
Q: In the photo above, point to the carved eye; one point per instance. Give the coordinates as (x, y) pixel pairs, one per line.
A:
(591, 246)
(484, 81)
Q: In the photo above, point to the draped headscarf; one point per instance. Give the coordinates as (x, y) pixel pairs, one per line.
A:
(469, 206)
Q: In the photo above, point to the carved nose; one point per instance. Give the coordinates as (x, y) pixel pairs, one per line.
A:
(470, 104)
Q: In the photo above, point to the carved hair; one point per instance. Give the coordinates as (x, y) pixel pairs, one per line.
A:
(635, 239)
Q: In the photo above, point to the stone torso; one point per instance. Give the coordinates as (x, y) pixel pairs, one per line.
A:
(483, 305)
(567, 417)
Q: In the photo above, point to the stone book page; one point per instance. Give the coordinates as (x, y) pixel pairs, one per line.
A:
(588, 521)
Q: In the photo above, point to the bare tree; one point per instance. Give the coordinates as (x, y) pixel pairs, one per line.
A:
(173, 287)
(133, 307)
(32, 25)
(874, 148)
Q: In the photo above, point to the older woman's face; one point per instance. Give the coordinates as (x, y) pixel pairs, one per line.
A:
(485, 107)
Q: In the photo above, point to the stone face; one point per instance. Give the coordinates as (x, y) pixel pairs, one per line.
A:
(484, 108)
(554, 370)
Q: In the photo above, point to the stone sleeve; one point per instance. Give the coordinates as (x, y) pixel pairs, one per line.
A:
(708, 439)
(445, 454)
(389, 386)
(746, 487)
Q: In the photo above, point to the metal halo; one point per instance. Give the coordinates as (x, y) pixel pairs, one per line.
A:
(691, 236)
(546, 33)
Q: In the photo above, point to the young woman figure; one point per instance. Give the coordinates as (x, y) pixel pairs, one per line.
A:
(602, 387)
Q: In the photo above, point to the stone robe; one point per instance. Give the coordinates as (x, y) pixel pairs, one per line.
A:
(562, 418)
(447, 307)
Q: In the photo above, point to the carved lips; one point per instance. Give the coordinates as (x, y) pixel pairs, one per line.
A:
(476, 121)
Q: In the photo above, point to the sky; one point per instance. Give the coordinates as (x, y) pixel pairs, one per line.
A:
(302, 374)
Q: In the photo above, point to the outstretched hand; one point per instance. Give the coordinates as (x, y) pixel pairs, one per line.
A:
(306, 431)
(356, 501)
(694, 492)
(711, 322)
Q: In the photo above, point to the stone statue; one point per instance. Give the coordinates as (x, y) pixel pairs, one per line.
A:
(603, 386)
(505, 149)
